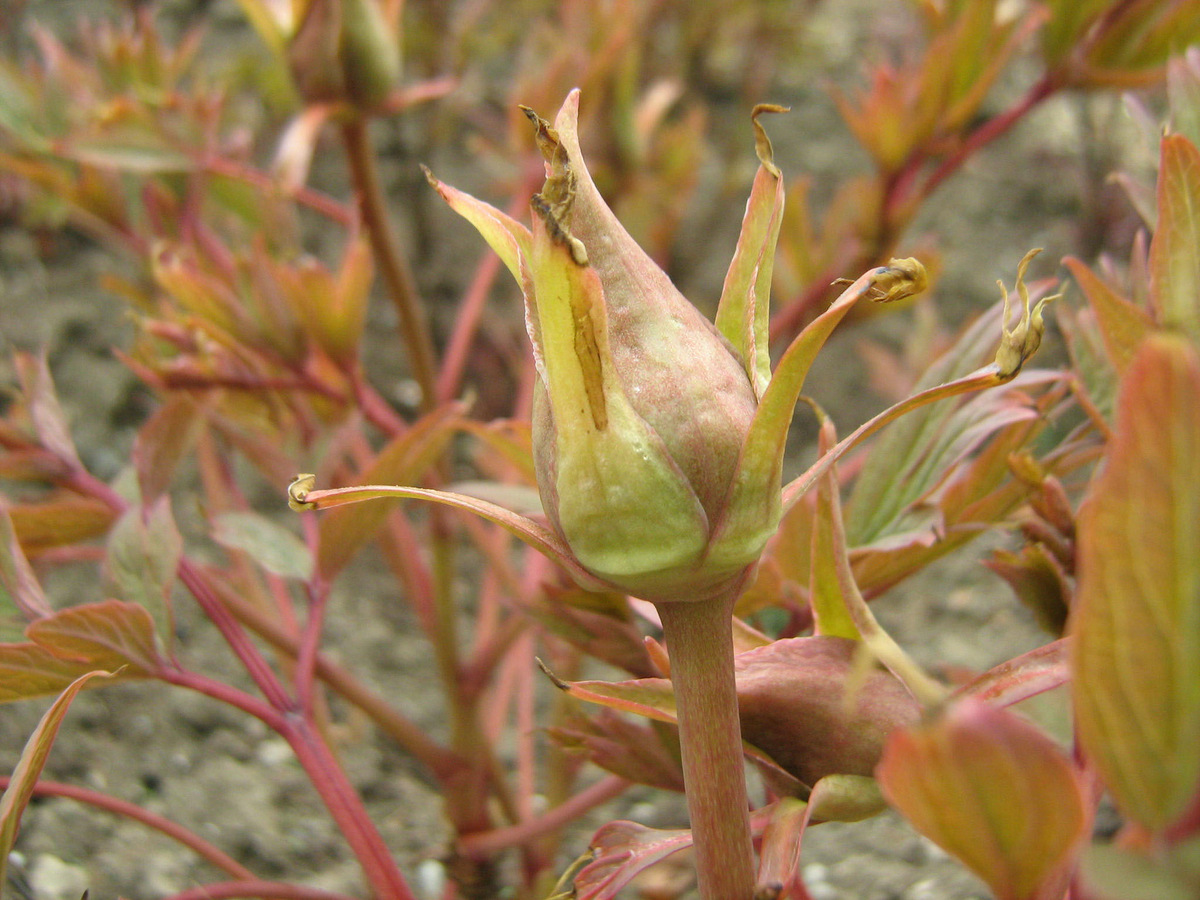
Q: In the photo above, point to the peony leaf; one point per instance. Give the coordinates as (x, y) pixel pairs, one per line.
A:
(17, 578)
(30, 670)
(60, 521)
(269, 544)
(1136, 625)
(110, 634)
(994, 791)
(1122, 324)
(1039, 670)
(1174, 263)
(29, 766)
(744, 309)
(301, 496)
(163, 441)
(144, 549)
(622, 850)
(505, 235)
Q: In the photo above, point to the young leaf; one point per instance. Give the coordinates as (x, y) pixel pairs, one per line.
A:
(30, 670)
(59, 521)
(29, 766)
(49, 420)
(143, 553)
(110, 634)
(994, 791)
(1122, 324)
(1136, 625)
(622, 850)
(17, 578)
(163, 441)
(272, 546)
(1174, 263)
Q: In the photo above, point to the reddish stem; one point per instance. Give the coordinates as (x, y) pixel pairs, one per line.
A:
(483, 844)
(264, 890)
(700, 640)
(126, 810)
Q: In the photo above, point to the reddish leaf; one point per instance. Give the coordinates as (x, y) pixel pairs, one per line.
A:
(622, 850)
(49, 420)
(17, 577)
(994, 791)
(646, 754)
(1136, 626)
(1022, 677)
(29, 766)
(1122, 324)
(163, 441)
(59, 522)
(1174, 262)
(109, 634)
(1039, 581)
(30, 670)
(779, 858)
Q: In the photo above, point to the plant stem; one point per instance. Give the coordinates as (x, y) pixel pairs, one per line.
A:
(700, 640)
(211, 854)
(393, 268)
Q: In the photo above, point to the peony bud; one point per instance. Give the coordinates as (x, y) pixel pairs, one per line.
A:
(642, 406)
(802, 702)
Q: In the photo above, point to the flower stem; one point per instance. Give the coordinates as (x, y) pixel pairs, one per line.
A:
(393, 268)
(700, 640)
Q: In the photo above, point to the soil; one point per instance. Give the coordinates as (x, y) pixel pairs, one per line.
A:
(225, 776)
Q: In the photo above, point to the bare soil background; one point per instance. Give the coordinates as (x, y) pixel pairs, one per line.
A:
(225, 776)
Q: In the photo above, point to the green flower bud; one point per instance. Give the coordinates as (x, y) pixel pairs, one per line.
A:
(642, 406)
(345, 51)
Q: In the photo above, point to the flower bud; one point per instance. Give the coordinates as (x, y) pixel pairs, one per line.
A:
(642, 406)
(802, 702)
(345, 51)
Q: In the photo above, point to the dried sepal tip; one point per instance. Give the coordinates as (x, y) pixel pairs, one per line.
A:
(1020, 342)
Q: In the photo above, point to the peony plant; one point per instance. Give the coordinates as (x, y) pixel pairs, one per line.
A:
(659, 439)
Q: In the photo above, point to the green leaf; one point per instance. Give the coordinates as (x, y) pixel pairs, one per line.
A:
(109, 634)
(831, 613)
(29, 766)
(994, 791)
(912, 455)
(144, 549)
(1174, 262)
(1112, 873)
(269, 544)
(1122, 324)
(744, 309)
(1136, 624)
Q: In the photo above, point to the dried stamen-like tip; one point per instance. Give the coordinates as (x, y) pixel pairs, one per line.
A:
(762, 143)
(298, 492)
(557, 231)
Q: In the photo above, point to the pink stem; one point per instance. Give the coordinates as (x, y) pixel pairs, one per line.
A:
(485, 843)
(198, 845)
(700, 640)
(264, 890)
